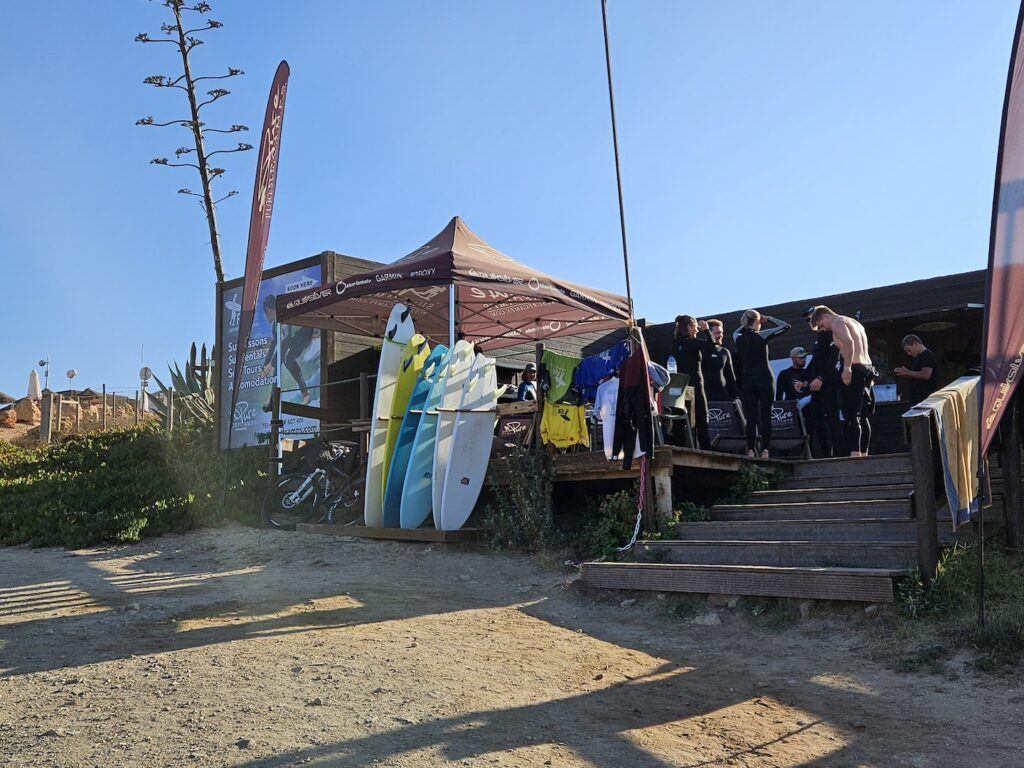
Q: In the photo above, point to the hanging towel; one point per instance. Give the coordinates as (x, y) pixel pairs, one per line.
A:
(556, 372)
(594, 369)
(955, 410)
(564, 425)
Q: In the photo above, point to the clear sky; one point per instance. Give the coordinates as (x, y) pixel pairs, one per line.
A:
(771, 151)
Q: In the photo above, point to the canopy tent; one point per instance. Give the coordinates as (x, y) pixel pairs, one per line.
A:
(458, 286)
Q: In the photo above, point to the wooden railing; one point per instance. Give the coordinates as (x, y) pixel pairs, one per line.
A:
(924, 499)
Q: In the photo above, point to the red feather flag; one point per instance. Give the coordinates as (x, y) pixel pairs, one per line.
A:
(259, 221)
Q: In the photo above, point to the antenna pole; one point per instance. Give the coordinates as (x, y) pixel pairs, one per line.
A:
(615, 145)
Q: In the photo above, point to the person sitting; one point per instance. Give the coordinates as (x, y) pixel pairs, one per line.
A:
(789, 385)
(689, 351)
(716, 366)
(758, 382)
(528, 386)
(923, 370)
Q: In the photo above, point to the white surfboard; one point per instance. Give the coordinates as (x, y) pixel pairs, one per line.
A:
(458, 371)
(472, 439)
(399, 331)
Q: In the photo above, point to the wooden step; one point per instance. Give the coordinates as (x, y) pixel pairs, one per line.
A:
(867, 529)
(893, 462)
(846, 554)
(851, 480)
(870, 585)
(896, 509)
(804, 495)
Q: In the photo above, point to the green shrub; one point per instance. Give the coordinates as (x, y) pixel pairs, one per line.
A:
(520, 518)
(750, 478)
(121, 485)
(952, 601)
(608, 523)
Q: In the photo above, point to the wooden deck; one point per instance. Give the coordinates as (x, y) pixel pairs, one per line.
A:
(592, 465)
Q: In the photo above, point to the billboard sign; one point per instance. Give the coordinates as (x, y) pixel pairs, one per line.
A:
(285, 355)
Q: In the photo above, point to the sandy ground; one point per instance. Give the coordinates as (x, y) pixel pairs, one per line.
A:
(239, 648)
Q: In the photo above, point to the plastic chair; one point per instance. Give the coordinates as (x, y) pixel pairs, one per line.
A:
(674, 409)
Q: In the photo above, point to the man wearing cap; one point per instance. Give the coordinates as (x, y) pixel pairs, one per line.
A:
(790, 382)
(528, 386)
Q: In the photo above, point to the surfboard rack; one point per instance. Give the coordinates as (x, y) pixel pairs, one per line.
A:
(394, 534)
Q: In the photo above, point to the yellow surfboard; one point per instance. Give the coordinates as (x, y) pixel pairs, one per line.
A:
(413, 357)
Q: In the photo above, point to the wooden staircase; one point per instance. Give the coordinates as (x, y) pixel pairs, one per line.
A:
(835, 529)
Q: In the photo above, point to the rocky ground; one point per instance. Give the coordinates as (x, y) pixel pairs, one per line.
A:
(240, 648)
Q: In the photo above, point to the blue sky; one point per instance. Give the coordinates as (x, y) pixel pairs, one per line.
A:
(770, 152)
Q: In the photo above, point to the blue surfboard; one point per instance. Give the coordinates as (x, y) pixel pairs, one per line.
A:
(417, 497)
(394, 487)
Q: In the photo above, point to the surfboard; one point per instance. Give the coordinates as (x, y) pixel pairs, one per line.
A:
(397, 471)
(458, 372)
(413, 357)
(472, 439)
(417, 496)
(398, 331)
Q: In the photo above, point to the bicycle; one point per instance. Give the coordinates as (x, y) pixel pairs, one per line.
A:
(327, 487)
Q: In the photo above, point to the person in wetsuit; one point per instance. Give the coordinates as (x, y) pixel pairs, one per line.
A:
(758, 383)
(822, 413)
(716, 366)
(790, 382)
(689, 350)
(294, 340)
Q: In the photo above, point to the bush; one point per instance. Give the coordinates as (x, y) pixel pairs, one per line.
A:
(121, 485)
(750, 478)
(521, 518)
(952, 600)
(608, 523)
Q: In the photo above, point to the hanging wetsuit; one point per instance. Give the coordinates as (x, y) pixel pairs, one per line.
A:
(689, 355)
(633, 426)
(822, 413)
(758, 382)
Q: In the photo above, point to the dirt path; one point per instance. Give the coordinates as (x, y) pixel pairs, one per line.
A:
(236, 648)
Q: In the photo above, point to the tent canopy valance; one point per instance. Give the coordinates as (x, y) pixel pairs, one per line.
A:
(458, 285)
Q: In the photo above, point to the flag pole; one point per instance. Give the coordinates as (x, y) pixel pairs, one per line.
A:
(615, 146)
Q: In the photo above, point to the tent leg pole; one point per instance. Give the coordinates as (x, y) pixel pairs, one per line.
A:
(451, 316)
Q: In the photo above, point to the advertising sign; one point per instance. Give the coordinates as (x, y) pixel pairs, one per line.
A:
(286, 355)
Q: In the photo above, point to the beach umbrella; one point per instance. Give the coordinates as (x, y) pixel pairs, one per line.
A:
(34, 390)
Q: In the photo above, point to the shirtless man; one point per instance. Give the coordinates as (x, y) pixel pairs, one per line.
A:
(857, 375)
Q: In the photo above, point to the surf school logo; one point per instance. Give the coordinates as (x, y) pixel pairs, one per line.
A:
(245, 415)
(513, 428)
(719, 417)
(781, 417)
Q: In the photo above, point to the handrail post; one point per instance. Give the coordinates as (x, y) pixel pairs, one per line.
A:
(275, 430)
(919, 435)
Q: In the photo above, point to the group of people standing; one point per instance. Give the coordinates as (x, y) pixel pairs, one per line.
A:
(837, 384)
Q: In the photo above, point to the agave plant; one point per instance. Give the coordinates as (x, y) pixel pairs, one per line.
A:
(193, 395)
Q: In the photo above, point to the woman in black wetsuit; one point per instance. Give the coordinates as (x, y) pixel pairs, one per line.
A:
(689, 350)
(758, 383)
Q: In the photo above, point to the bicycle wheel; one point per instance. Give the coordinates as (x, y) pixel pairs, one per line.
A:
(283, 506)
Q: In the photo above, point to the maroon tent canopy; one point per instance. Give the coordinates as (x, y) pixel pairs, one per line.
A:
(493, 299)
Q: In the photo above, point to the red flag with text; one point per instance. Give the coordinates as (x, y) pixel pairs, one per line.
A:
(1003, 351)
(259, 220)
